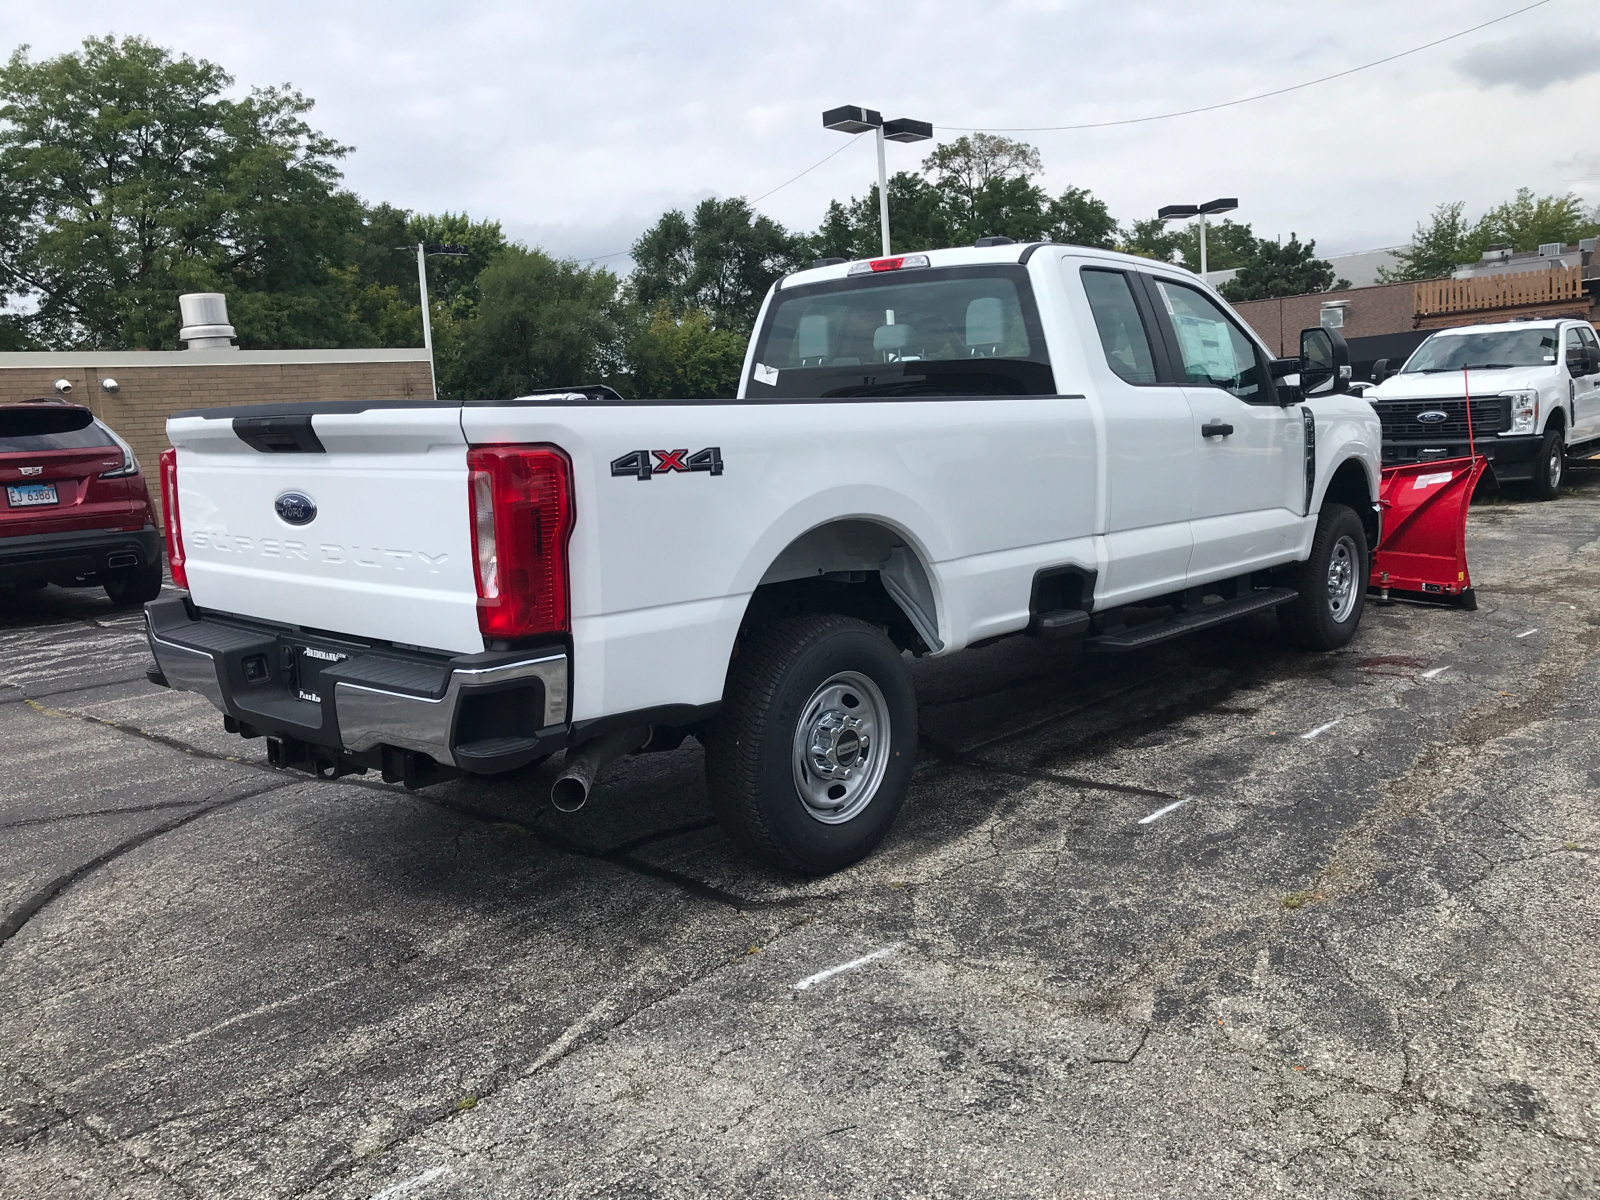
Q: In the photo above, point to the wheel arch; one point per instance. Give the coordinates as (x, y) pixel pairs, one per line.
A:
(856, 566)
(1351, 484)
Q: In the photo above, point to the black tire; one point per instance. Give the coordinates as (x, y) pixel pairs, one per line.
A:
(135, 585)
(1321, 618)
(1550, 466)
(755, 761)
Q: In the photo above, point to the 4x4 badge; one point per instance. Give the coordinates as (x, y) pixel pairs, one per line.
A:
(637, 462)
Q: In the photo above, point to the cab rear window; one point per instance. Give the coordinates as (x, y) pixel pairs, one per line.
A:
(953, 331)
(29, 429)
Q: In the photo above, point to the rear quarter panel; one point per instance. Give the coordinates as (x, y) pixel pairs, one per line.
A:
(983, 491)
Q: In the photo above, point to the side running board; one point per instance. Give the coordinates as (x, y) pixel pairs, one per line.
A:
(1141, 636)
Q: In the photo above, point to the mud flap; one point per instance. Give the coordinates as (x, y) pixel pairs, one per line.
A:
(1423, 551)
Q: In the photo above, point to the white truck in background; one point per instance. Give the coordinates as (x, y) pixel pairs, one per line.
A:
(927, 452)
(1535, 396)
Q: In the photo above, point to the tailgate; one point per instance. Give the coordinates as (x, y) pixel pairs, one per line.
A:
(360, 529)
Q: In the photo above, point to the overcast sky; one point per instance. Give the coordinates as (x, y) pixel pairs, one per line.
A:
(576, 125)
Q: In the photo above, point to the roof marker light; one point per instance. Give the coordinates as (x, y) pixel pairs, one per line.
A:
(903, 262)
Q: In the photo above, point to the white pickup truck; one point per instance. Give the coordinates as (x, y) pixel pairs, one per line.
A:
(1535, 399)
(928, 452)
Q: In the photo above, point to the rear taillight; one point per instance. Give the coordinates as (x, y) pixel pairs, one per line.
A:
(169, 517)
(520, 500)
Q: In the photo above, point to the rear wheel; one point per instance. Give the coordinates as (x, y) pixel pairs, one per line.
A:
(134, 585)
(810, 756)
(1332, 584)
(1549, 467)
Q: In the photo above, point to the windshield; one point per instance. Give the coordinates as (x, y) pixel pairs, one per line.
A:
(956, 331)
(1483, 351)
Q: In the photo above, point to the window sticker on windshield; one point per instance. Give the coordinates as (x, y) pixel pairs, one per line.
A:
(767, 375)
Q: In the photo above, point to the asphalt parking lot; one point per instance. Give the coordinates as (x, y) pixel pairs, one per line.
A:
(1220, 919)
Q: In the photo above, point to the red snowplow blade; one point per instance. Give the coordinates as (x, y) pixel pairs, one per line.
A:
(1424, 544)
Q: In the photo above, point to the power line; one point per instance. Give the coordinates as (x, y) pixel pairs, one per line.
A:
(810, 169)
(1246, 99)
(758, 199)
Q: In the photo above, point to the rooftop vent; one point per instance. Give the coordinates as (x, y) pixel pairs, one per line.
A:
(1497, 254)
(1552, 249)
(205, 321)
(1588, 245)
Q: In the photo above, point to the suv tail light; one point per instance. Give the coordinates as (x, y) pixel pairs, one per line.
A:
(169, 517)
(520, 499)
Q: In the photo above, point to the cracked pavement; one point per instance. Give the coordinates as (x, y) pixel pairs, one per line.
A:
(1357, 959)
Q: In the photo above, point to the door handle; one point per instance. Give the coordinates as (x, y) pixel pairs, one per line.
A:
(1215, 429)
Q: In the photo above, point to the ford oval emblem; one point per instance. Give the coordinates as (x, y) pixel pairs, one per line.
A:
(296, 508)
(1432, 417)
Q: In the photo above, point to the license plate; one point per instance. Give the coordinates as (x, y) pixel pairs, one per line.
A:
(27, 495)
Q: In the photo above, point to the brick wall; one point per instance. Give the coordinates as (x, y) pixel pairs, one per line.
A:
(174, 381)
(1369, 312)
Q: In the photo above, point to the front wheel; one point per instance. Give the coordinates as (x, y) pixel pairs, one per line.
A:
(1332, 583)
(810, 756)
(1550, 465)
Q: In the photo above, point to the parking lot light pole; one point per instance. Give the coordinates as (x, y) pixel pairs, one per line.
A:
(1176, 212)
(425, 252)
(853, 119)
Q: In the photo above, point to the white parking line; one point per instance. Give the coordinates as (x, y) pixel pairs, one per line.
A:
(1435, 671)
(1528, 633)
(1320, 729)
(1161, 812)
(810, 980)
(406, 1187)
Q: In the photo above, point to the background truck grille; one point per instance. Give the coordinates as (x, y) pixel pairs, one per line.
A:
(1490, 414)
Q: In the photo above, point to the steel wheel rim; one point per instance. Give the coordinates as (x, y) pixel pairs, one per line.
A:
(841, 747)
(1342, 579)
(1555, 466)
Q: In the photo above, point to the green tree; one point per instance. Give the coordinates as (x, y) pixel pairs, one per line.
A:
(386, 308)
(684, 357)
(1229, 244)
(1151, 239)
(721, 260)
(127, 176)
(1437, 247)
(1525, 222)
(539, 322)
(977, 186)
(1281, 269)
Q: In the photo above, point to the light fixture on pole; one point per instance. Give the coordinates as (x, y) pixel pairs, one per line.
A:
(853, 119)
(1176, 212)
(425, 252)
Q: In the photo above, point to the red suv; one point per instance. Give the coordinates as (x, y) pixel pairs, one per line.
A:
(75, 510)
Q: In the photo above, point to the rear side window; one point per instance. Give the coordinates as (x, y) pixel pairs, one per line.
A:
(1213, 350)
(1122, 331)
(28, 429)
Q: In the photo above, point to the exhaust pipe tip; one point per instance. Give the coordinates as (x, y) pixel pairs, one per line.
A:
(570, 791)
(569, 794)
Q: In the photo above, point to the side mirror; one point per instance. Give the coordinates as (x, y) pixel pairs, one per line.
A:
(1324, 362)
(1380, 370)
(1594, 359)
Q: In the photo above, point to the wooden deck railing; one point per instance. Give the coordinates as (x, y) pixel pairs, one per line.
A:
(1498, 291)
